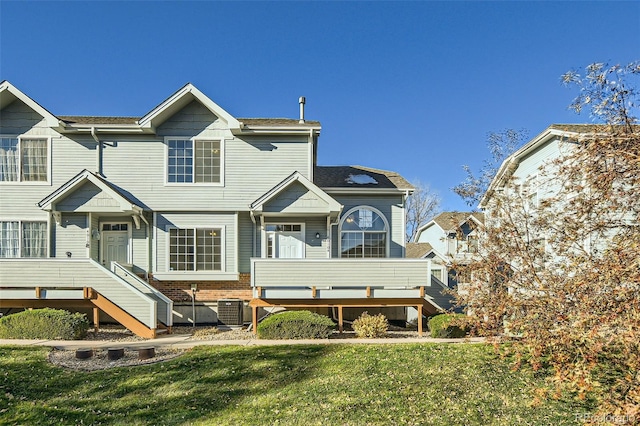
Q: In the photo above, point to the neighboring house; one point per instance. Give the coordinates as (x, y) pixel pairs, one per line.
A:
(536, 180)
(135, 215)
(450, 237)
(521, 170)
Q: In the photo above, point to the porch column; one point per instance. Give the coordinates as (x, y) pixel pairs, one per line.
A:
(340, 320)
(419, 308)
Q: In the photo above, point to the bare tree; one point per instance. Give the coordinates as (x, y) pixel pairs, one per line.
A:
(562, 271)
(421, 207)
(501, 145)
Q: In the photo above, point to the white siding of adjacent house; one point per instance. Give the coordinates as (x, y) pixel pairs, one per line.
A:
(531, 163)
(435, 236)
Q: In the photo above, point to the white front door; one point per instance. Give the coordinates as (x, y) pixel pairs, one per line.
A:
(285, 241)
(115, 246)
(288, 245)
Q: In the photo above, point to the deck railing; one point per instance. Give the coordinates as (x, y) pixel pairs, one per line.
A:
(346, 279)
(63, 278)
(165, 305)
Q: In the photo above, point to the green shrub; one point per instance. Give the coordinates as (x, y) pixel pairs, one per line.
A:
(295, 325)
(44, 324)
(371, 326)
(448, 325)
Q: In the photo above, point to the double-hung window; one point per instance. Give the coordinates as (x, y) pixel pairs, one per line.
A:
(363, 233)
(195, 249)
(23, 239)
(194, 161)
(24, 159)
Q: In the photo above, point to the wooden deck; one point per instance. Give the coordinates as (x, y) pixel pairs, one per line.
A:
(339, 283)
(84, 283)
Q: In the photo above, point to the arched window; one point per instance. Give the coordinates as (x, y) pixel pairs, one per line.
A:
(364, 232)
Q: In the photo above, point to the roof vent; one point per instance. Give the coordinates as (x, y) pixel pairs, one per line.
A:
(302, 101)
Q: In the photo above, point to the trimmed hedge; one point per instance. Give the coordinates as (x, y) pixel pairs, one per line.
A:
(370, 326)
(295, 325)
(44, 324)
(448, 326)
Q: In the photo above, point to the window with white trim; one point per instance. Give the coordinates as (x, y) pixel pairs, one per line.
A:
(23, 239)
(194, 161)
(195, 249)
(363, 233)
(24, 159)
(437, 273)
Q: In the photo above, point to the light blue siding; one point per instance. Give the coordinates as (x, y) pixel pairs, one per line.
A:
(226, 221)
(391, 206)
(71, 236)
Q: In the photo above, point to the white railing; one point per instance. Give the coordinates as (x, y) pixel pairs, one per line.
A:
(56, 275)
(346, 279)
(165, 305)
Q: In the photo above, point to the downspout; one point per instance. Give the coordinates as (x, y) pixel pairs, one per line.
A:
(404, 222)
(99, 151)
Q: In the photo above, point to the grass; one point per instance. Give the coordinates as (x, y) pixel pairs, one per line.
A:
(425, 384)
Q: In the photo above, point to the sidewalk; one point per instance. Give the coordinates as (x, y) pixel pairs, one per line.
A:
(181, 341)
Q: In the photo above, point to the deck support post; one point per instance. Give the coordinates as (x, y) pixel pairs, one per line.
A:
(419, 308)
(340, 319)
(254, 319)
(96, 319)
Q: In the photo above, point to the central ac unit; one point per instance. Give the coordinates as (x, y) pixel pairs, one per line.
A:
(230, 313)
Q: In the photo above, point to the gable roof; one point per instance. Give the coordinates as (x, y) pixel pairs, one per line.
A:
(332, 208)
(185, 95)
(125, 203)
(417, 250)
(449, 221)
(510, 164)
(9, 93)
(347, 177)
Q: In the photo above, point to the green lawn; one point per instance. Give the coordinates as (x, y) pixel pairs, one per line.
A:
(422, 384)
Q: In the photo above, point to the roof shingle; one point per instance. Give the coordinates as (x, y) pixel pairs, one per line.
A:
(342, 177)
(450, 220)
(417, 250)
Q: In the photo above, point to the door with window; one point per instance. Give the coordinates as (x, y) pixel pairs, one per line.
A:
(115, 243)
(285, 241)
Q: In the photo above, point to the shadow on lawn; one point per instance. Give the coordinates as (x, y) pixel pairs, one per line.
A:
(193, 387)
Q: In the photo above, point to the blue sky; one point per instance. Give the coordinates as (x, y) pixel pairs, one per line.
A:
(412, 87)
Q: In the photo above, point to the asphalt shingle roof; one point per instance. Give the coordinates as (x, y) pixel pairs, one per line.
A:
(86, 119)
(417, 250)
(450, 220)
(269, 122)
(342, 177)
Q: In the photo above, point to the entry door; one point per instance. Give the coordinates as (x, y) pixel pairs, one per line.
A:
(289, 245)
(115, 247)
(285, 241)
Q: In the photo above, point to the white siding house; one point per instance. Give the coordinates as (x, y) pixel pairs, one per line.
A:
(450, 237)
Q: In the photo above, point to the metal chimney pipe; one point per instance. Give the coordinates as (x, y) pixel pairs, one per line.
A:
(302, 101)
